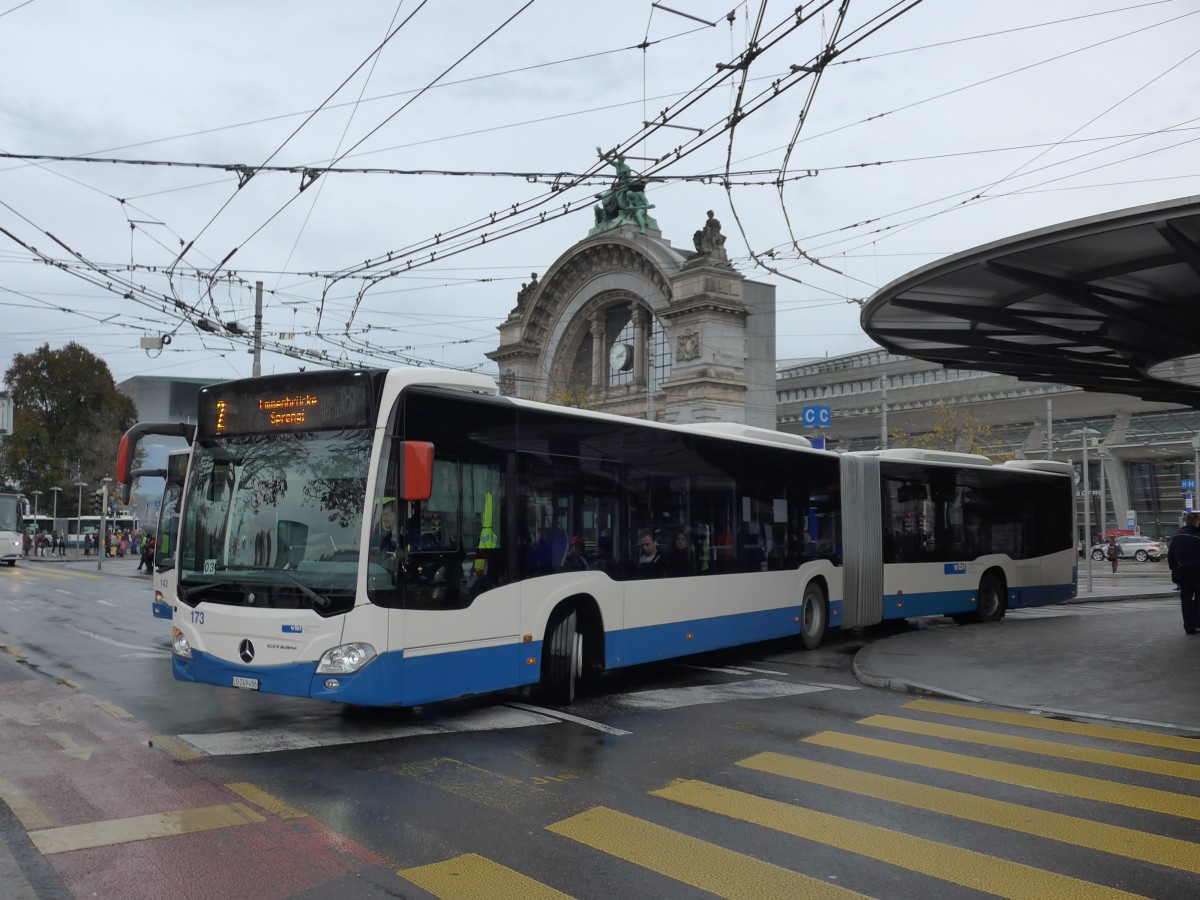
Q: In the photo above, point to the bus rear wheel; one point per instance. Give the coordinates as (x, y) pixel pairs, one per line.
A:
(814, 618)
(991, 604)
(562, 657)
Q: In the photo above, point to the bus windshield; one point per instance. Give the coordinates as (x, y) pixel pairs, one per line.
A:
(275, 520)
(168, 527)
(10, 513)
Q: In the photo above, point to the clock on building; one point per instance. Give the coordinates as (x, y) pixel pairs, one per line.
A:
(620, 357)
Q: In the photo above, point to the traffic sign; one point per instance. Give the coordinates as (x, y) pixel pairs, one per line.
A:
(1188, 484)
(818, 443)
(819, 416)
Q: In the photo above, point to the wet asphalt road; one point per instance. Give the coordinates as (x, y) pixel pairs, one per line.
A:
(710, 775)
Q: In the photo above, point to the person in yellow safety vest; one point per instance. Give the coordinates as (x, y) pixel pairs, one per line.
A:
(488, 539)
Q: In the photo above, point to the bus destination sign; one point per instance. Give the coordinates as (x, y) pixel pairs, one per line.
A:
(258, 408)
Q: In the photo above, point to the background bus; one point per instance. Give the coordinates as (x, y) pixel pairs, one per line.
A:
(163, 566)
(89, 526)
(293, 579)
(12, 533)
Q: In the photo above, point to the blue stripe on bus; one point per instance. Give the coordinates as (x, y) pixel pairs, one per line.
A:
(161, 610)
(938, 603)
(390, 678)
(655, 642)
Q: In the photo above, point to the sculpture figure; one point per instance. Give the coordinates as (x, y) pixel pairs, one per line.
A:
(624, 203)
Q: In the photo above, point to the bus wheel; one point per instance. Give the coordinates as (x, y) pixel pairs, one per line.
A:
(562, 657)
(814, 617)
(992, 599)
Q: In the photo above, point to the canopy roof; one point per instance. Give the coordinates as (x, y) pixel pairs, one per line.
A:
(1108, 303)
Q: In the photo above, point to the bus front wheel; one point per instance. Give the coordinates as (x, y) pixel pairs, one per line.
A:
(562, 657)
(814, 618)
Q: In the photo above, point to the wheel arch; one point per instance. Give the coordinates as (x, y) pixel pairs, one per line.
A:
(589, 622)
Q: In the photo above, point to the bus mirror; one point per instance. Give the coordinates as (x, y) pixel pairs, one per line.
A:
(125, 453)
(416, 470)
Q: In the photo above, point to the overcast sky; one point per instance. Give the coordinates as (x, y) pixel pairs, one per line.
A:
(950, 125)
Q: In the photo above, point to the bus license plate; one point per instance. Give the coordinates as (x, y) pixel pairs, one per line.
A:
(246, 684)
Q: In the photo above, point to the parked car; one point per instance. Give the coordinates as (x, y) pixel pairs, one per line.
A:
(1132, 545)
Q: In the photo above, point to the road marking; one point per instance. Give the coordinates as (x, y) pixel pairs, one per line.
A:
(676, 698)
(174, 747)
(471, 876)
(69, 747)
(1025, 720)
(303, 736)
(1083, 787)
(263, 800)
(113, 710)
(968, 868)
(730, 670)
(1170, 768)
(149, 651)
(141, 828)
(61, 591)
(28, 813)
(690, 860)
(1114, 839)
(567, 717)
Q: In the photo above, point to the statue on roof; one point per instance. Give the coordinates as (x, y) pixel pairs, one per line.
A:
(625, 202)
(709, 241)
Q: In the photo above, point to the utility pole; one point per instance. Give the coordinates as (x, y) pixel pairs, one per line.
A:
(257, 329)
(883, 434)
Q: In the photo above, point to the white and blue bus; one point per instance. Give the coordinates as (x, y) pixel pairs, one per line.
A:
(13, 508)
(407, 536)
(163, 565)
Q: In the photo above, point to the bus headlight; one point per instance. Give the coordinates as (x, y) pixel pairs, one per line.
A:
(346, 659)
(179, 644)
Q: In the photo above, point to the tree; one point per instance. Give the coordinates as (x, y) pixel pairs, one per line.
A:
(68, 418)
(955, 429)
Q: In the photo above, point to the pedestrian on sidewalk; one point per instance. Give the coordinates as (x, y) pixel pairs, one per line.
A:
(1183, 556)
(1113, 552)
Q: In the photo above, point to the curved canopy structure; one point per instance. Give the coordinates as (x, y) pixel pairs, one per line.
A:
(1108, 303)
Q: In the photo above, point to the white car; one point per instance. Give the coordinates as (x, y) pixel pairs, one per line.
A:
(1132, 545)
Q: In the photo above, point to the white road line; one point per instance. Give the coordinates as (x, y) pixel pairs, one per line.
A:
(567, 717)
(61, 591)
(116, 643)
(320, 734)
(836, 687)
(674, 698)
(726, 670)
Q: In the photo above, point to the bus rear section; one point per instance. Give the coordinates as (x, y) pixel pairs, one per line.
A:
(938, 533)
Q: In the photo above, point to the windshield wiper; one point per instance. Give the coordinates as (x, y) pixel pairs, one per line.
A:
(320, 599)
(188, 592)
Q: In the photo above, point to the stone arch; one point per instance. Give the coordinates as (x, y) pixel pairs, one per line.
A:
(592, 277)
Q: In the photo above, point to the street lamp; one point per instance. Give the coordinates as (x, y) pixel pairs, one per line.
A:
(56, 491)
(79, 514)
(36, 494)
(1085, 434)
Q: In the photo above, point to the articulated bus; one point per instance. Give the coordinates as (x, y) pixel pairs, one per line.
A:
(407, 536)
(12, 536)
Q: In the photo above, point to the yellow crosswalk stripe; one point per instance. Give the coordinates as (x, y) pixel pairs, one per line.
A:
(470, 876)
(967, 868)
(1189, 771)
(264, 800)
(1042, 723)
(690, 860)
(1080, 786)
(1114, 839)
(140, 828)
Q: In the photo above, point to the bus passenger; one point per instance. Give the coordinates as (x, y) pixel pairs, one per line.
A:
(575, 561)
(650, 563)
(679, 563)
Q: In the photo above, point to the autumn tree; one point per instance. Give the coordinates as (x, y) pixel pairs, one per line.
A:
(954, 429)
(68, 418)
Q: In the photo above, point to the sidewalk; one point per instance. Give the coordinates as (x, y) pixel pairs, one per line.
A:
(1094, 662)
